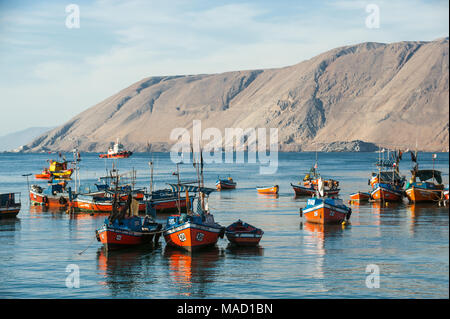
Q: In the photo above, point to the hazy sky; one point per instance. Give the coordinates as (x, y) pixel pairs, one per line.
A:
(50, 73)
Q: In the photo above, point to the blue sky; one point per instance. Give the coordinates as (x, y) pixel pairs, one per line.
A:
(49, 73)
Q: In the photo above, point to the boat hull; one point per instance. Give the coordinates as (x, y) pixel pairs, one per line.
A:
(225, 185)
(94, 206)
(381, 193)
(115, 238)
(191, 236)
(169, 205)
(9, 212)
(243, 239)
(61, 200)
(302, 190)
(360, 196)
(268, 190)
(416, 195)
(325, 214)
(118, 155)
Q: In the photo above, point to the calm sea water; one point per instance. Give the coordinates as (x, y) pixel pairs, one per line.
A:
(409, 244)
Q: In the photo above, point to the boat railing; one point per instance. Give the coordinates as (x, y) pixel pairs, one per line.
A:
(10, 199)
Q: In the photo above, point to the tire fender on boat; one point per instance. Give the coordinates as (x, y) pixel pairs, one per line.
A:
(62, 201)
(222, 232)
(349, 214)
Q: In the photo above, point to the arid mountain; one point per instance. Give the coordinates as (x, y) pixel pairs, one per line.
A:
(16, 139)
(390, 95)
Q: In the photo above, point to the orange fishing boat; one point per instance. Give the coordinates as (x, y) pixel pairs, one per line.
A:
(273, 190)
(360, 196)
(45, 174)
(193, 230)
(326, 211)
(387, 184)
(55, 195)
(429, 188)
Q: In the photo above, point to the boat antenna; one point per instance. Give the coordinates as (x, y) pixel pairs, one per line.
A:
(28, 183)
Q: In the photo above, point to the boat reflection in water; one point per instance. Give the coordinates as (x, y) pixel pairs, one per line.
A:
(193, 272)
(124, 270)
(245, 250)
(37, 211)
(317, 243)
(424, 215)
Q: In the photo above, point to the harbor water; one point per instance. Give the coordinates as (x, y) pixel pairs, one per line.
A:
(405, 246)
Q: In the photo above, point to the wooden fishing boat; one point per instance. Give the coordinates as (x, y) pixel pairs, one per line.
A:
(387, 184)
(127, 232)
(429, 188)
(123, 228)
(303, 190)
(45, 174)
(94, 203)
(360, 196)
(224, 184)
(167, 201)
(59, 169)
(386, 192)
(326, 211)
(116, 151)
(193, 230)
(424, 191)
(309, 185)
(9, 205)
(243, 234)
(273, 190)
(55, 195)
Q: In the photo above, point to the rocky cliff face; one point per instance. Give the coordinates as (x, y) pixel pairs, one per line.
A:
(391, 95)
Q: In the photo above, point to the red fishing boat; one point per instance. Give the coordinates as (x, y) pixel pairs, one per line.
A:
(192, 231)
(123, 228)
(272, 190)
(224, 184)
(243, 234)
(9, 205)
(117, 151)
(166, 201)
(55, 195)
(360, 196)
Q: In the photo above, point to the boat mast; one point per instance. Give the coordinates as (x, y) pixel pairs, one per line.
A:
(178, 189)
(151, 176)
